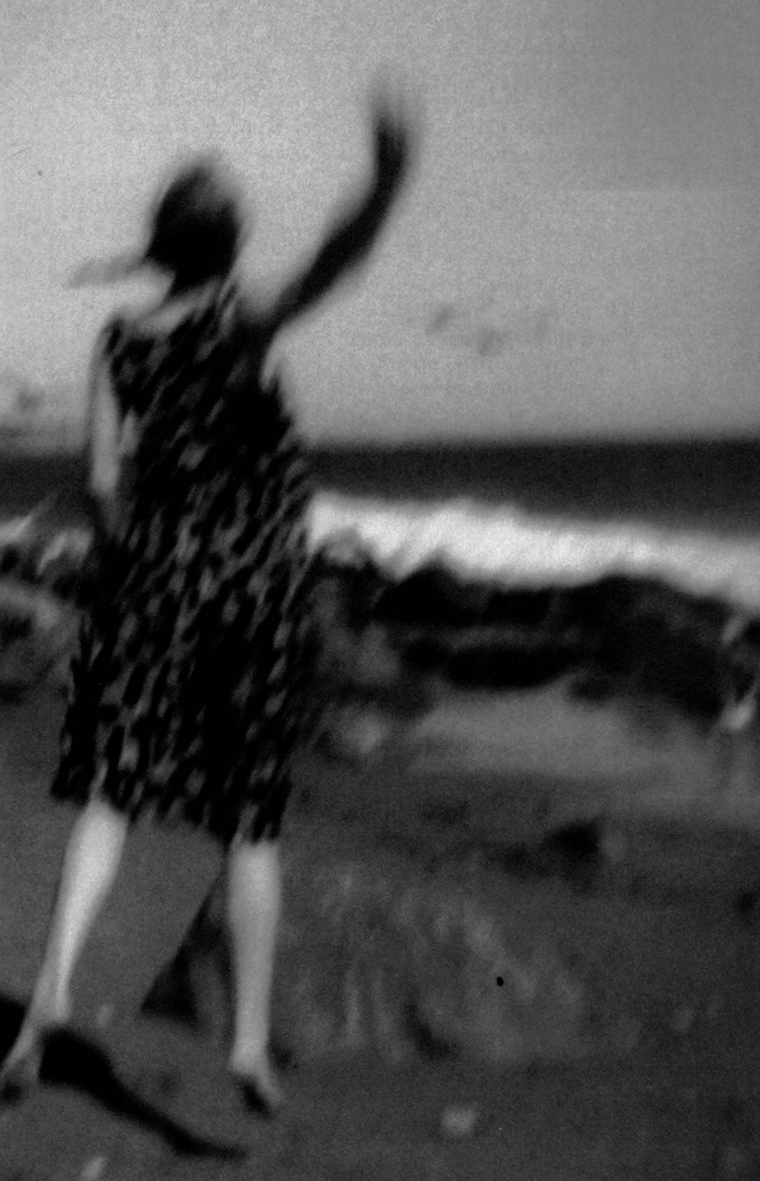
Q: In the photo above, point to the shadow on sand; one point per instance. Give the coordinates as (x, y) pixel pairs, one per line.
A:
(70, 1060)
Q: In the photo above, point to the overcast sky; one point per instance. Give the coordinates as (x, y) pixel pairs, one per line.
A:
(579, 253)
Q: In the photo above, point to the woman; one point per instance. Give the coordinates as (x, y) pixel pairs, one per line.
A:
(189, 689)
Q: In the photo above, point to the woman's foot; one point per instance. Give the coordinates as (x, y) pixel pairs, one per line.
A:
(20, 1071)
(259, 1090)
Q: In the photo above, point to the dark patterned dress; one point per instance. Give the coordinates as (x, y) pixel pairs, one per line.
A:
(190, 689)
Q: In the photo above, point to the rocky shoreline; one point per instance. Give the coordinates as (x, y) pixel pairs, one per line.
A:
(388, 645)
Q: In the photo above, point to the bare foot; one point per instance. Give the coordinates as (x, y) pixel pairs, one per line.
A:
(260, 1090)
(20, 1071)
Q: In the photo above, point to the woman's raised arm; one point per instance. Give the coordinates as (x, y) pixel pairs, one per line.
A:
(354, 233)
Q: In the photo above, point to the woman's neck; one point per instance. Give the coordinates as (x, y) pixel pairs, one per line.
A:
(180, 300)
(194, 292)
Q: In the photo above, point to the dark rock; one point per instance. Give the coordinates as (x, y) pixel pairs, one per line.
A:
(645, 638)
(427, 652)
(526, 609)
(37, 632)
(435, 597)
(572, 853)
(745, 905)
(595, 687)
(579, 843)
(381, 639)
(504, 665)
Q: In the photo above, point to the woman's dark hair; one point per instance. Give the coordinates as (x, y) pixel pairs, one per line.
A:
(198, 225)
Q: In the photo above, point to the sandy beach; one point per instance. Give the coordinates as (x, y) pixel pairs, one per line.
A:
(666, 953)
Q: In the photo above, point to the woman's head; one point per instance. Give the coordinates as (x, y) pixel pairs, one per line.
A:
(198, 225)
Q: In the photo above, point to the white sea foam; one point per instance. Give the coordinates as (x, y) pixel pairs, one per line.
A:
(504, 544)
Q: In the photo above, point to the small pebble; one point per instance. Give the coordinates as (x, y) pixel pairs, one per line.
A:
(458, 1121)
(94, 1169)
(683, 1019)
(368, 734)
(104, 1016)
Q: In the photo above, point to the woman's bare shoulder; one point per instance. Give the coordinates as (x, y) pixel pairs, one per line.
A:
(249, 319)
(123, 322)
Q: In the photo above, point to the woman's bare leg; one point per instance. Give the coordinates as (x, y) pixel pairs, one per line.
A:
(90, 865)
(254, 904)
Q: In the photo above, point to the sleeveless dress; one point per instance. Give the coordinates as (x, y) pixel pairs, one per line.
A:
(189, 692)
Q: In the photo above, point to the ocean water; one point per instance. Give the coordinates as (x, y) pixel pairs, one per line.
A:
(480, 542)
(708, 485)
(532, 514)
(523, 515)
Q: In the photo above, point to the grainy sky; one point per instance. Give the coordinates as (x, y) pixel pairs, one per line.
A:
(579, 253)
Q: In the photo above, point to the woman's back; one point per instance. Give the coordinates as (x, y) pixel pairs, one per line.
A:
(199, 412)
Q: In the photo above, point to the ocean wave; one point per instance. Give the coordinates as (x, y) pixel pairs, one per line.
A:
(481, 543)
(506, 545)
(457, 593)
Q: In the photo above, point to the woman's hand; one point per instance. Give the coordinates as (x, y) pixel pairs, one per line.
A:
(394, 127)
(395, 133)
